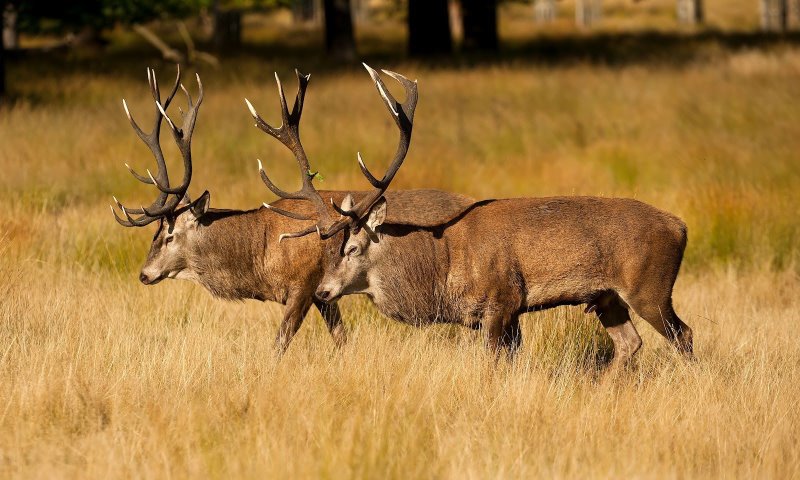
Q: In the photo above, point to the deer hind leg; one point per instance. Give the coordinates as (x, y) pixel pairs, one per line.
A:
(613, 314)
(511, 338)
(293, 315)
(333, 319)
(657, 311)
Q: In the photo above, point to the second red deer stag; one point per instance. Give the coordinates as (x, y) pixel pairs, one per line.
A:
(502, 258)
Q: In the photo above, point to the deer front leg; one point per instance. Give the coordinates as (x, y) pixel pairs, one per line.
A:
(333, 319)
(500, 331)
(296, 308)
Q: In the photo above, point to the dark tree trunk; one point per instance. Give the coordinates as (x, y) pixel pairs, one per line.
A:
(545, 11)
(9, 14)
(227, 29)
(361, 10)
(429, 28)
(587, 12)
(480, 24)
(774, 15)
(2, 58)
(690, 12)
(339, 39)
(303, 11)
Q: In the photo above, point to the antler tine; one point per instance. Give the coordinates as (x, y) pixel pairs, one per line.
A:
(141, 178)
(131, 222)
(260, 123)
(343, 212)
(296, 216)
(274, 188)
(297, 110)
(284, 108)
(188, 99)
(143, 136)
(151, 76)
(126, 211)
(301, 233)
(409, 106)
(151, 79)
(372, 180)
(135, 125)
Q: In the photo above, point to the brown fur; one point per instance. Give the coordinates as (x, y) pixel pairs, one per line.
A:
(236, 255)
(502, 258)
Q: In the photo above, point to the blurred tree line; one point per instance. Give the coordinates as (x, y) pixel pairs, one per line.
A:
(83, 22)
(431, 23)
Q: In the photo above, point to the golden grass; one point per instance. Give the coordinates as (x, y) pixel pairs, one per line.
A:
(103, 377)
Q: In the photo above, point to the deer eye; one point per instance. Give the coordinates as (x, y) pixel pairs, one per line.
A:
(168, 240)
(353, 251)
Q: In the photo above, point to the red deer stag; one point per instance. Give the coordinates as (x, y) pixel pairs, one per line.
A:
(502, 258)
(232, 253)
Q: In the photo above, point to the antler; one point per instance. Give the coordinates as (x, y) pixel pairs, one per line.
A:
(163, 205)
(403, 115)
(289, 135)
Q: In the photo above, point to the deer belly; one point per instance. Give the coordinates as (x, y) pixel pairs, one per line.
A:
(418, 311)
(564, 291)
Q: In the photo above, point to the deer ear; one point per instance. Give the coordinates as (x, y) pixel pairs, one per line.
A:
(347, 203)
(377, 214)
(200, 206)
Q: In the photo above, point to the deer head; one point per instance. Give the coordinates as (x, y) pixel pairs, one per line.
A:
(347, 266)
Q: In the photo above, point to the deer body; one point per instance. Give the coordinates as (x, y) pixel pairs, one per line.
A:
(503, 258)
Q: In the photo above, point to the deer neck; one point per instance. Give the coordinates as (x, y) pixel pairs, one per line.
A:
(225, 255)
(408, 278)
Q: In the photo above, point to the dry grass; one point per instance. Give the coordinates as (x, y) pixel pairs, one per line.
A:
(102, 377)
(123, 382)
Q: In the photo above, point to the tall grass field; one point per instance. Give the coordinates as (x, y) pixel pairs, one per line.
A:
(103, 377)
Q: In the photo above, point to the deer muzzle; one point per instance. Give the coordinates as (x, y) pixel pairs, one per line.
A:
(326, 293)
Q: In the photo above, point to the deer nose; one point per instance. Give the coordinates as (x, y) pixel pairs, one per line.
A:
(144, 278)
(323, 294)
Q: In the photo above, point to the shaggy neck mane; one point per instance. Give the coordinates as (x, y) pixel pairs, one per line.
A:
(414, 276)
